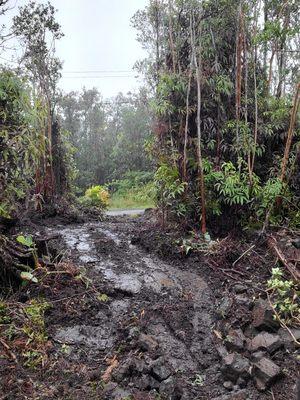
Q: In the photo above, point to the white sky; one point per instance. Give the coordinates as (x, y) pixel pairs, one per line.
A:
(98, 37)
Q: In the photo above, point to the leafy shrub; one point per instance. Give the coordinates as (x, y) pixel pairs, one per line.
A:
(285, 295)
(170, 189)
(95, 196)
(20, 140)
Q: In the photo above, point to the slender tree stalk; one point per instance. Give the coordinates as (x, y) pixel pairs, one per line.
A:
(238, 79)
(198, 67)
(288, 144)
(255, 101)
(171, 38)
(186, 127)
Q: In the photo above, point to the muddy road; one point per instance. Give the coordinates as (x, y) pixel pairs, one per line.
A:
(157, 320)
(122, 323)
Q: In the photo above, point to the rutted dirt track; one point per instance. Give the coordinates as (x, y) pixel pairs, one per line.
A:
(163, 313)
(123, 324)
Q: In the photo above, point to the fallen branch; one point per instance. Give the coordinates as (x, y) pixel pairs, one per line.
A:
(289, 266)
(242, 255)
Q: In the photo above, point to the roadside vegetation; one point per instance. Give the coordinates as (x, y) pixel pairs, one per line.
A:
(135, 191)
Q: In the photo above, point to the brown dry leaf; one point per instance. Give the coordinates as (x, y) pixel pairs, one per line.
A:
(142, 313)
(113, 364)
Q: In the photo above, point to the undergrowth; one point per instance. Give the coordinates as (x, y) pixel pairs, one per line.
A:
(135, 190)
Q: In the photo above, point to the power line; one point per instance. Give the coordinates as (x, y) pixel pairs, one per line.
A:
(99, 72)
(98, 77)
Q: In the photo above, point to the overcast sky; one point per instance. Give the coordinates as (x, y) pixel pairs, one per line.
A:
(98, 37)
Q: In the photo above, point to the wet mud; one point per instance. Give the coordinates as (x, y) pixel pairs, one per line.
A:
(149, 299)
(133, 319)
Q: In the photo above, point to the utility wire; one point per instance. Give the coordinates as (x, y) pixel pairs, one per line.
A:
(99, 71)
(98, 77)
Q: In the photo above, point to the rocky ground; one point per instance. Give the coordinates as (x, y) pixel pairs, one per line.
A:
(129, 316)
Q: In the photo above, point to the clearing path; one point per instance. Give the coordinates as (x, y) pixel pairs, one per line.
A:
(155, 325)
(117, 213)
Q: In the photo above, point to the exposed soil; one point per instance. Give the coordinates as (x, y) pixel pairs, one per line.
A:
(139, 321)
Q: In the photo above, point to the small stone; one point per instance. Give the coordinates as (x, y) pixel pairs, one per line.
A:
(147, 342)
(244, 300)
(235, 366)
(110, 386)
(143, 382)
(225, 306)
(265, 372)
(239, 288)
(221, 350)
(154, 384)
(119, 394)
(181, 335)
(265, 341)
(161, 371)
(235, 340)
(139, 365)
(287, 338)
(133, 333)
(258, 355)
(168, 388)
(122, 371)
(228, 385)
(241, 383)
(263, 316)
(296, 243)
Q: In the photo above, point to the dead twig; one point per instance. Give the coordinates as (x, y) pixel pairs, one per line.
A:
(242, 255)
(290, 267)
(8, 349)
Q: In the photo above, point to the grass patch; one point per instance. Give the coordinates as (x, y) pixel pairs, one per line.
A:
(129, 202)
(135, 191)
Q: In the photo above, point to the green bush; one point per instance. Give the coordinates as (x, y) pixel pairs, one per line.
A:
(95, 196)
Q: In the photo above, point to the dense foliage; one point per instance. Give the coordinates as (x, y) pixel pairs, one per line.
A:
(36, 156)
(20, 140)
(224, 80)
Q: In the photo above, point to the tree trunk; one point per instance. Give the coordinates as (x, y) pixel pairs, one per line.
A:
(290, 133)
(186, 128)
(198, 66)
(238, 79)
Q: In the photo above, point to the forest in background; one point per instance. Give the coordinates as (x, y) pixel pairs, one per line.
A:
(221, 101)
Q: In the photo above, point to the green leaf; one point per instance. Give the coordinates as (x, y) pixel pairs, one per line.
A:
(25, 240)
(27, 276)
(103, 297)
